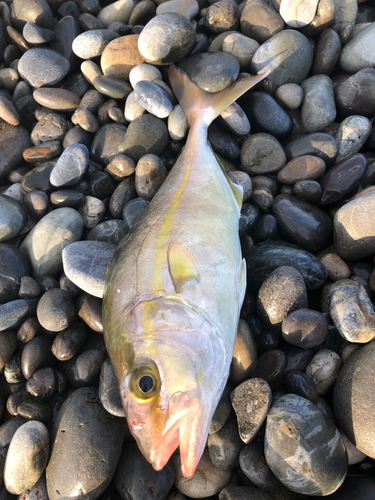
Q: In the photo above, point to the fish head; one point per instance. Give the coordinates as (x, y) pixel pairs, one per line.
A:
(172, 387)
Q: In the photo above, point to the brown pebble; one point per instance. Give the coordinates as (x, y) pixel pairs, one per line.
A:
(150, 173)
(120, 56)
(121, 166)
(45, 151)
(337, 269)
(37, 203)
(301, 168)
(60, 99)
(244, 355)
(29, 328)
(18, 39)
(85, 119)
(8, 112)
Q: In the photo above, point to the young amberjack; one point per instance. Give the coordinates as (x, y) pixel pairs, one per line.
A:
(174, 291)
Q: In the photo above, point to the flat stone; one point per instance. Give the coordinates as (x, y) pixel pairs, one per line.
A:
(305, 461)
(43, 67)
(251, 401)
(299, 13)
(13, 140)
(85, 264)
(112, 87)
(36, 35)
(60, 99)
(45, 242)
(351, 135)
(354, 228)
(71, 166)
(8, 112)
(13, 217)
(354, 399)
(318, 108)
(357, 53)
(305, 167)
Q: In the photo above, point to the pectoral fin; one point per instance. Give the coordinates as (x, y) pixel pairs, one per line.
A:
(183, 266)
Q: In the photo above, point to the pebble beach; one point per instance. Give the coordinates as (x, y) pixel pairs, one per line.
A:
(89, 130)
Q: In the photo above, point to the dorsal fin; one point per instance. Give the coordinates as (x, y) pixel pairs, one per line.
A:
(207, 106)
(183, 266)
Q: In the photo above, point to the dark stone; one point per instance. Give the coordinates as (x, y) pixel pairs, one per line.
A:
(67, 29)
(32, 409)
(297, 382)
(101, 185)
(68, 342)
(89, 309)
(124, 192)
(253, 464)
(35, 355)
(250, 215)
(327, 53)
(14, 312)
(14, 265)
(317, 144)
(67, 198)
(107, 141)
(13, 141)
(109, 393)
(310, 191)
(38, 178)
(42, 384)
(266, 229)
(55, 310)
(305, 328)
(83, 369)
(37, 204)
(8, 344)
(110, 231)
(225, 445)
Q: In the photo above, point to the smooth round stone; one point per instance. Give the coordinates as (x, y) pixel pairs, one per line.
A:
(14, 266)
(91, 43)
(318, 108)
(13, 312)
(112, 87)
(27, 457)
(101, 185)
(241, 47)
(266, 115)
(297, 382)
(357, 54)
(71, 166)
(121, 166)
(67, 29)
(317, 144)
(235, 119)
(92, 211)
(124, 192)
(132, 108)
(13, 218)
(353, 399)
(234, 492)
(150, 173)
(260, 20)
(67, 198)
(297, 358)
(308, 190)
(288, 55)
(271, 365)
(51, 127)
(221, 16)
(327, 52)
(36, 35)
(305, 328)
(282, 292)
(83, 370)
(244, 355)
(13, 371)
(244, 180)
(85, 264)
(223, 143)
(298, 14)
(38, 11)
(89, 309)
(253, 464)
(153, 98)
(32, 409)
(147, 134)
(133, 210)
(351, 311)
(251, 401)
(175, 37)
(187, 8)
(84, 457)
(8, 344)
(109, 393)
(207, 480)
(304, 224)
(211, 71)
(55, 310)
(222, 411)
(110, 231)
(225, 445)
(249, 216)
(135, 477)
(42, 384)
(143, 72)
(60, 99)
(40, 67)
(346, 13)
(45, 242)
(68, 342)
(307, 462)
(351, 135)
(142, 13)
(8, 112)
(323, 370)
(120, 56)
(356, 94)
(107, 141)
(354, 228)
(306, 167)
(342, 178)
(262, 154)
(13, 141)
(117, 11)
(47, 151)
(29, 328)
(269, 255)
(290, 95)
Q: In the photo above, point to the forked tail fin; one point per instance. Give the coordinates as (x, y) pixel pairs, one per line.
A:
(207, 106)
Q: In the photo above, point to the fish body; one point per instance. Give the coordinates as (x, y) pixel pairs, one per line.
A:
(174, 290)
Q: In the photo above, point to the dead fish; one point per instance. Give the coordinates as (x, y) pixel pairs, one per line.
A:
(174, 290)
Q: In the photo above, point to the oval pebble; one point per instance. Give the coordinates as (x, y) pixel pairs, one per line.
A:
(323, 369)
(91, 43)
(71, 166)
(39, 67)
(13, 217)
(153, 99)
(55, 310)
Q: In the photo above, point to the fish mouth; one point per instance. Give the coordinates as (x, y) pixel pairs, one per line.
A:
(182, 424)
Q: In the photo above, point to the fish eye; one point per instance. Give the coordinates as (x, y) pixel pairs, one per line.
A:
(146, 383)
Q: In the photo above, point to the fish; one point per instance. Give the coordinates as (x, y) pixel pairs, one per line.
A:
(174, 290)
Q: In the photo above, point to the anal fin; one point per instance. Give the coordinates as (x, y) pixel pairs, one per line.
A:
(183, 266)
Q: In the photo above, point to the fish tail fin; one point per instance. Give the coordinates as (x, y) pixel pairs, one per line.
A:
(196, 102)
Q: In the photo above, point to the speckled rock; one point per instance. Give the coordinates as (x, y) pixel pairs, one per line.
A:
(318, 108)
(253, 464)
(346, 12)
(304, 460)
(40, 67)
(153, 98)
(351, 135)
(262, 154)
(324, 369)
(91, 43)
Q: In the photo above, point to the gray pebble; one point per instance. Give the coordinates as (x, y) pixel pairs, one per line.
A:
(109, 393)
(143, 72)
(52, 127)
(225, 445)
(298, 13)
(323, 370)
(55, 310)
(253, 464)
(357, 54)
(318, 108)
(317, 144)
(36, 35)
(13, 141)
(85, 264)
(92, 211)
(177, 124)
(153, 99)
(351, 135)
(222, 16)
(112, 87)
(260, 20)
(346, 12)
(71, 166)
(290, 95)
(14, 312)
(236, 120)
(262, 154)
(109, 231)
(107, 141)
(13, 218)
(241, 47)
(116, 11)
(327, 52)
(132, 108)
(40, 67)
(91, 43)
(123, 193)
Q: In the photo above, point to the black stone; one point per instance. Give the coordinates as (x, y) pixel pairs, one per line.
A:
(14, 265)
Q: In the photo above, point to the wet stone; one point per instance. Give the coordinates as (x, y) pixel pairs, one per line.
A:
(175, 37)
(282, 292)
(31, 442)
(270, 366)
(291, 446)
(83, 369)
(67, 198)
(211, 71)
(305, 328)
(323, 370)
(297, 382)
(251, 401)
(153, 98)
(351, 135)
(302, 223)
(89, 309)
(317, 144)
(12, 313)
(225, 445)
(13, 140)
(318, 108)
(260, 21)
(86, 445)
(222, 16)
(8, 344)
(14, 266)
(29, 288)
(68, 342)
(109, 393)
(55, 310)
(253, 464)
(262, 154)
(86, 262)
(29, 328)
(38, 178)
(13, 218)
(353, 399)
(308, 190)
(327, 52)
(40, 67)
(44, 244)
(337, 269)
(351, 311)
(47, 151)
